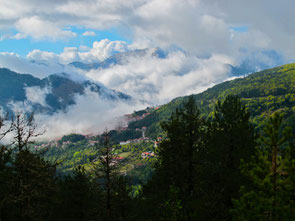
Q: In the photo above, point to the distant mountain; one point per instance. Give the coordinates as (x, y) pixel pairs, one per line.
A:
(256, 61)
(119, 59)
(249, 65)
(51, 94)
(238, 71)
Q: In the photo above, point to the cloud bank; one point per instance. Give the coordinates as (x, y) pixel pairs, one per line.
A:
(22, 65)
(90, 115)
(100, 51)
(37, 95)
(145, 76)
(159, 80)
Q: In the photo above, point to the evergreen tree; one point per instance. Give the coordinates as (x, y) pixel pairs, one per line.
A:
(104, 171)
(114, 189)
(270, 195)
(231, 137)
(176, 170)
(6, 171)
(77, 199)
(122, 201)
(6, 177)
(34, 186)
(33, 182)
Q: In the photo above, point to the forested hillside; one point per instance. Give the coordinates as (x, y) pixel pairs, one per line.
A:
(262, 92)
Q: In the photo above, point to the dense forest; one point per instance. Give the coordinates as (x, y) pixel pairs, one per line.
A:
(215, 167)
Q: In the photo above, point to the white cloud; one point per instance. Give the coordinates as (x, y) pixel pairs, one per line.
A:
(103, 49)
(84, 48)
(20, 106)
(89, 33)
(19, 36)
(204, 27)
(83, 116)
(3, 37)
(18, 64)
(100, 51)
(37, 95)
(42, 29)
(68, 55)
(39, 55)
(39, 64)
(160, 80)
(183, 23)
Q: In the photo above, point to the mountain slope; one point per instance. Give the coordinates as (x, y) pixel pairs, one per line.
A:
(51, 94)
(263, 93)
(12, 85)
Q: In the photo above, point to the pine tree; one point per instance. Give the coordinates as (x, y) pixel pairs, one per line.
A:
(121, 198)
(34, 185)
(6, 177)
(33, 180)
(5, 171)
(270, 195)
(176, 168)
(231, 137)
(113, 186)
(77, 200)
(104, 171)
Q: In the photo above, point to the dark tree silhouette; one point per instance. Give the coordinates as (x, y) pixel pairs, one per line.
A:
(271, 175)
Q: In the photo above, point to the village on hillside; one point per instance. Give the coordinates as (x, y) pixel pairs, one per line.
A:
(132, 152)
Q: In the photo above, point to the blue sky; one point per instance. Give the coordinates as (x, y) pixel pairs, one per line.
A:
(240, 28)
(28, 44)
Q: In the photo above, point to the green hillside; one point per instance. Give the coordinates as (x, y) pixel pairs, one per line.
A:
(263, 93)
(75, 149)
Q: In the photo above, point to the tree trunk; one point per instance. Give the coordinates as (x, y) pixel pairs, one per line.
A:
(275, 173)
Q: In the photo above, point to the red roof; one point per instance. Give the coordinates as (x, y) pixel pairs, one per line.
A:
(118, 158)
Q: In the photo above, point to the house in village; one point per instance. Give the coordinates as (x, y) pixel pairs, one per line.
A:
(148, 154)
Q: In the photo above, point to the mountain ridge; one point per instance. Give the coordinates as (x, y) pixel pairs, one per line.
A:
(58, 91)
